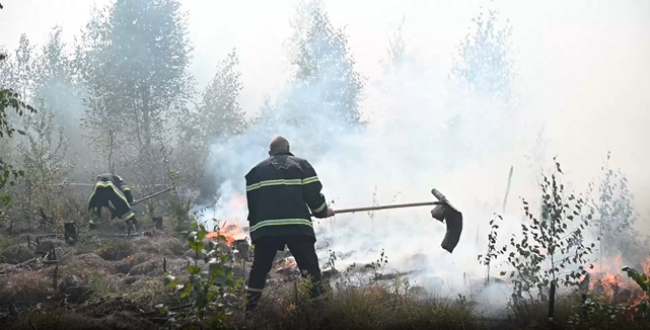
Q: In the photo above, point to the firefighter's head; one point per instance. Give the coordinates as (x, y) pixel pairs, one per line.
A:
(279, 144)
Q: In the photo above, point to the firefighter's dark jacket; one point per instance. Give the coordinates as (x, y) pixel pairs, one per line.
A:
(114, 182)
(281, 191)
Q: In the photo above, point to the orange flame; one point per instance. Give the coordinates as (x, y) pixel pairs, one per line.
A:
(129, 259)
(611, 282)
(286, 263)
(231, 232)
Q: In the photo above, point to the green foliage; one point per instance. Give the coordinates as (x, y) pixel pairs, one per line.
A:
(180, 211)
(594, 313)
(492, 253)
(134, 60)
(214, 292)
(615, 215)
(643, 280)
(174, 178)
(219, 114)
(9, 100)
(552, 250)
(6, 242)
(100, 289)
(43, 158)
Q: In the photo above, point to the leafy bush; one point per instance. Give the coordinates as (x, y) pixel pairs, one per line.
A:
(643, 280)
(552, 251)
(180, 211)
(217, 291)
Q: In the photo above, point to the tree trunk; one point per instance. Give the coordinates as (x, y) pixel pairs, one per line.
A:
(551, 301)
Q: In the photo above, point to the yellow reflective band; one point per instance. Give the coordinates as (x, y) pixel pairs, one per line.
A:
(101, 184)
(126, 189)
(320, 208)
(254, 289)
(128, 216)
(279, 182)
(280, 222)
(91, 222)
(310, 180)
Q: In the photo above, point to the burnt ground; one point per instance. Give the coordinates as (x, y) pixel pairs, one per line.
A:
(108, 280)
(105, 281)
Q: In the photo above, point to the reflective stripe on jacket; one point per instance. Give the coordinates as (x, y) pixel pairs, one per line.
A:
(117, 182)
(282, 193)
(113, 182)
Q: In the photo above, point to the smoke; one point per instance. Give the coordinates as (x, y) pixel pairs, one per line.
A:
(578, 90)
(424, 132)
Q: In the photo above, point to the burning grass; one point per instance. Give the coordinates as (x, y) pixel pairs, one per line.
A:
(610, 282)
(229, 230)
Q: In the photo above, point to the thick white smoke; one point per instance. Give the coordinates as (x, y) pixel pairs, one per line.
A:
(409, 146)
(424, 130)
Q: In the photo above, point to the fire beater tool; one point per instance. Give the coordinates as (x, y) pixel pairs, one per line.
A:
(443, 212)
(152, 196)
(114, 211)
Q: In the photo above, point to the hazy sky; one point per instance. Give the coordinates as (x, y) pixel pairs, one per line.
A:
(583, 66)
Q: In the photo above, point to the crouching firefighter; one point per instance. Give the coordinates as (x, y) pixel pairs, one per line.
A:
(111, 188)
(282, 192)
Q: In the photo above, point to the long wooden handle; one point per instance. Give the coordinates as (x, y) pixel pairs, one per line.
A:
(385, 207)
(152, 196)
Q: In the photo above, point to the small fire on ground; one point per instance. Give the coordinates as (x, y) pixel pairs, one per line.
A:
(229, 230)
(285, 263)
(610, 281)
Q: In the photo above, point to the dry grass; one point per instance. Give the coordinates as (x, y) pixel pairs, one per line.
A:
(6, 242)
(529, 312)
(163, 245)
(106, 286)
(86, 247)
(26, 288)
(51, 320)
(87, 265)
(147, 291)
(116, 250)
(374, 307)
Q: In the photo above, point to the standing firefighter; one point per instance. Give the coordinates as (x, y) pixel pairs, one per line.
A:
(281, 191)
(110, 187)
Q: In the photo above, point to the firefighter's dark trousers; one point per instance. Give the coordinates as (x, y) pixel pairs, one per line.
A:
(107, 192)
(302, 249)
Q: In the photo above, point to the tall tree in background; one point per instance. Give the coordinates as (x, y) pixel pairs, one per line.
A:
(43, 156)
(485, 57)
(57, 86)
(5, 68)
(135, 63)
(482, 91)
(613, 207)
(397, 56)
(24, 69)
(54, 82)
(217, 117)
(325, 79)
(9, 102)
(219, 114)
